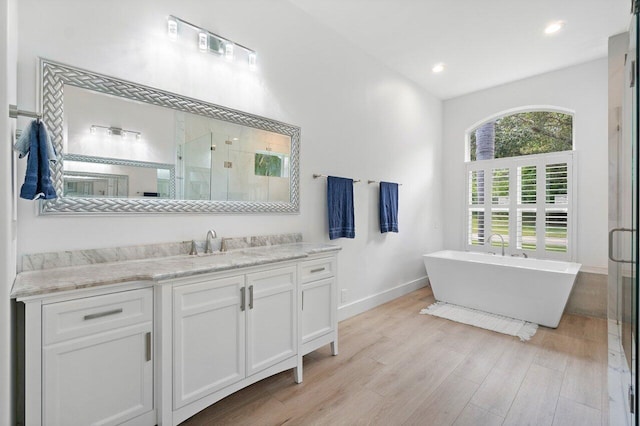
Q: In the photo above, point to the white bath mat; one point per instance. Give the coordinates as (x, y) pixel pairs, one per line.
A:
(513, 327)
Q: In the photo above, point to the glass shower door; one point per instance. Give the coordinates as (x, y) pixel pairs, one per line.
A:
(631, 339)
(623, 242)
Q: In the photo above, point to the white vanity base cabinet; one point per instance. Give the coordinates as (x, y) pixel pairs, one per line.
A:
(222, 332)
(318, 306)
(209, 338)
(147, 353)
(88, 359)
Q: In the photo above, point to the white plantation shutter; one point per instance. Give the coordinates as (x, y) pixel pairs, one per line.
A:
(475, 226)
(527, 212)
(528, 200)
(500, 203)
(556, 208)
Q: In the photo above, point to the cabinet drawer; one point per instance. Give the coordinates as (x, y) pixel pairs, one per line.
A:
(317, 269)
(90, 315)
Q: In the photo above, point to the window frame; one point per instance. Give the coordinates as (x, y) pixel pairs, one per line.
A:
(541, 207)
(519, 110)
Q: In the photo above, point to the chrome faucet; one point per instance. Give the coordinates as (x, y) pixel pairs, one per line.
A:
(211, 233)
(501, 238)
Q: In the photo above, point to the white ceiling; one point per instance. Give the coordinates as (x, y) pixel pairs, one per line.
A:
(483, 43)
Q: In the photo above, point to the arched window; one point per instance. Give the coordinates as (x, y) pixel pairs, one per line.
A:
(522, 133)
(519, 174)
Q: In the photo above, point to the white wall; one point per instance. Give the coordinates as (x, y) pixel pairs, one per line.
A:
(582, 89)
(8, 46)
(358, 120)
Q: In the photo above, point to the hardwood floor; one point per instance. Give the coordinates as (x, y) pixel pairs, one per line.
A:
(397, 367)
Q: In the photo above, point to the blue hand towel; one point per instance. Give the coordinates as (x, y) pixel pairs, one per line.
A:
(37, 181)
(388, 207)
(340, 208)
(23, 143)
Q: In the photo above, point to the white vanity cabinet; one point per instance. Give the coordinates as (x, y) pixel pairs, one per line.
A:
(157, 352)
(95, 355)
(208, 337)
(318, 305)
(271, 318)
(227, 331)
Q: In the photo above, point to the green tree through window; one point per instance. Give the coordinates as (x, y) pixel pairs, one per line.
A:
(525, 133)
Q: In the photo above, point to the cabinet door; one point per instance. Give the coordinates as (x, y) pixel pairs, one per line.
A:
(208, 338)
(318, 309)
(106, 379)
(271, 318)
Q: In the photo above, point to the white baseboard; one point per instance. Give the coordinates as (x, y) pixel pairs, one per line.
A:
(594, 270)
(359, 306)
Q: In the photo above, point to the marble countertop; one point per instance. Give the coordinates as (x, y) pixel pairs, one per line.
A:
(33, 283)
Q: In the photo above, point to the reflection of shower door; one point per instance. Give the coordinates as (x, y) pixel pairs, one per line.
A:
(197, 168)
(220, 167)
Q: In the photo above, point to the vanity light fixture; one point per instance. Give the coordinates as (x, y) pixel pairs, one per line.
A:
(253, 59)
(203, 41)
(554, 27)
(228, 51)
(211, 42)
(117, 131)
(172, 28)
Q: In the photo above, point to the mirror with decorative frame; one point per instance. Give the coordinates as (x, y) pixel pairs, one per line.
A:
(129, 148)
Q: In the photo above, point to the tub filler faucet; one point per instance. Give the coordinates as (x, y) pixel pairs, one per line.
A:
(501, 239)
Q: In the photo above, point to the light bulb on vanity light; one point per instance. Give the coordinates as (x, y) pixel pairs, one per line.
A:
(172, 28)
(203, 41)
(92, 130)
(438, 68)
(253, 60)
(554, 27)
(228, 51)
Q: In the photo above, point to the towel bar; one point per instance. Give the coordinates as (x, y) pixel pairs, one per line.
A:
(316, 176)
(14, 112)
(375, 181)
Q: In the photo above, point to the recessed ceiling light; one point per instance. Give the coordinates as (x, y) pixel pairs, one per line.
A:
(438, 68)
(554, 27)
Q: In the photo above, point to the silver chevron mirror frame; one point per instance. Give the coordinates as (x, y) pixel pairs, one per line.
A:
(54, 76)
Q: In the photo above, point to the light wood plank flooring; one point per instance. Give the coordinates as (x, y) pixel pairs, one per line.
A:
(397, 367)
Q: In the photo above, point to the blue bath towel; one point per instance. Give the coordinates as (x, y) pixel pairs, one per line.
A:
(340, 208)
(388, 207)
(37, 181)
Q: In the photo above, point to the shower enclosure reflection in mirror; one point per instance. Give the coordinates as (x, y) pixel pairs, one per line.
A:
(182, 155)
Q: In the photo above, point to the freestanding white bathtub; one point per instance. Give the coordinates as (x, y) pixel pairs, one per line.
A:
(529, 289)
